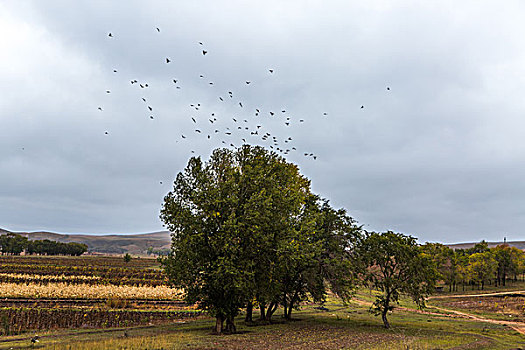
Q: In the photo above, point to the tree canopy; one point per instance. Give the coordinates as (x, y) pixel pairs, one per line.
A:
(247, 231)
(394, 265)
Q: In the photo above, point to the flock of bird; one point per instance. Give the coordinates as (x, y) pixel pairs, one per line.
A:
(243, 129)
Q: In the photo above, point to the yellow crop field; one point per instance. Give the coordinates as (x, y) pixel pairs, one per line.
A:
(63, 290)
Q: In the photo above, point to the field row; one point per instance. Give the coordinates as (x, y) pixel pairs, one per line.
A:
(19, 320)
(85, 260)
(62, 290)
(24, 273)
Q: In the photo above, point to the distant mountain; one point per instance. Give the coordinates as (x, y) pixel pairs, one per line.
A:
(517, 244)
(137, 244)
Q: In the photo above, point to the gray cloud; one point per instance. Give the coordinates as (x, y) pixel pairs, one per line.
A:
(439, 156)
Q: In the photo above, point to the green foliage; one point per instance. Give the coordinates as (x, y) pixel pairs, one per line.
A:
(127, 258)
(246, 229)
(216, 213)
(13, 243)
(482, 267)
(394, 265)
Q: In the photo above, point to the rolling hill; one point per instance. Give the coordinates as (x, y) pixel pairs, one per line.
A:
(136, 244)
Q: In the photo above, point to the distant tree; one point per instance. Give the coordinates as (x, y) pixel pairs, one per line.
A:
(76, 249)
(517, 257)
(482, 267)
(127, 258)
(480, 247)
(503, 256)
(446, 261)
(396, 266)
(13, 243)
(48, 247)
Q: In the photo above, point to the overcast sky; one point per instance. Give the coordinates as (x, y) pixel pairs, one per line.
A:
(440, 155)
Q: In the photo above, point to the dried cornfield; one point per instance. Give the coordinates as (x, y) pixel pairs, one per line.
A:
(19, 320)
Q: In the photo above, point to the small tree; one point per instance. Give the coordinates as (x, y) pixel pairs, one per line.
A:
(395, 266)
(127, 258)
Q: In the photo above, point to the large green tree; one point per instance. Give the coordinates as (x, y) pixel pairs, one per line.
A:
(232, 218)
(395, 265)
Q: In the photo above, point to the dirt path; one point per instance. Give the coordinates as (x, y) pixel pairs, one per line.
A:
(520, 292)
(517, 326)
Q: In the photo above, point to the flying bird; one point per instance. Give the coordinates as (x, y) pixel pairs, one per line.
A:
(388, 88)
(248, 82)
(168, 60)
(99, 108)
(362, 107)
(150, 117)
(114, 70)
(204, 52)
(110, 35)
(183, 136)
(240, 104)
(151, 109)
(193, 120)
(108, 92)
(158, 30)
(270, 70)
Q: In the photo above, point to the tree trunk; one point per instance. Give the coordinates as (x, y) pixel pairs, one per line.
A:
(219, 320)
(269, 312)
(285, 306)
(249, 312)
(290, 307)
(230, 325)
(262, 307)
(383, 317)
(288, 315)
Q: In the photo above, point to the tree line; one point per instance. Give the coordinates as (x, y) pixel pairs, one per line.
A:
(248, 233)
(476, 266)
(15, 244)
